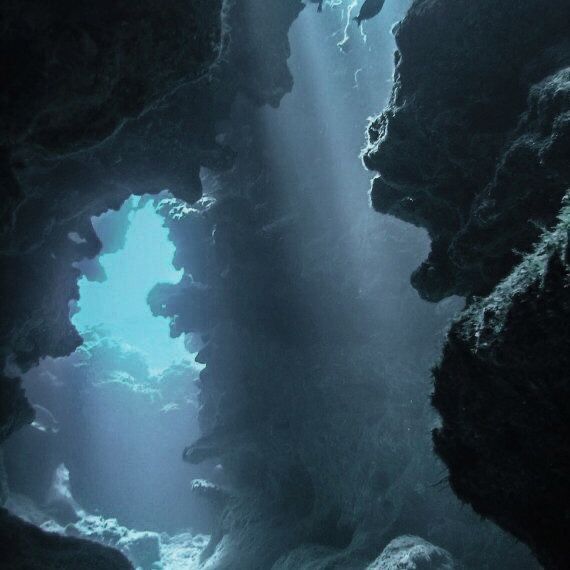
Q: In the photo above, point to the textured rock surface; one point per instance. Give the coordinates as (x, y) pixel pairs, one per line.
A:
(142, 548)
(60, 163)
(56, 193)
(413, 553)
(72, 75)
(475, 147)
(104, 65)
(472, 145)
(26, 546)
(503, 388)
(15, 410)
(131, 106)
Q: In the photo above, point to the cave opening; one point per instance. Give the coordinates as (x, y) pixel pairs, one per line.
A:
(113, 417)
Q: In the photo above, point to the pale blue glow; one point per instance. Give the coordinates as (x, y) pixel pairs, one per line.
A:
(119, 303)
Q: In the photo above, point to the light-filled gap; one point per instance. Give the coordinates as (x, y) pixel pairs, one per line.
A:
(113, 418)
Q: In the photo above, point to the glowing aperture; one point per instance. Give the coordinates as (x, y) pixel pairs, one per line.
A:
(119, 304)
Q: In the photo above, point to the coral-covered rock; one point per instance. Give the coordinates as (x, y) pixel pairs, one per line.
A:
(27, 546)
(472, 144)
(413, 553)
(503, 388)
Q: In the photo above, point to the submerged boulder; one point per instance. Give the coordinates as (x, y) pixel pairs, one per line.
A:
(503, 390)
(413, 553)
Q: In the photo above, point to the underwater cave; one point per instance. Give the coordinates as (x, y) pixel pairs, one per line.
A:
(128, 391)
(285, 285)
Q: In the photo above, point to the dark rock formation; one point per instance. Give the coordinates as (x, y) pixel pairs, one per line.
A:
(503, 388)
(63, 159)
(478, 109)
(100, 127)
(104, 65)
(475, 147)
(15, 410)
(55, 191)
(73, 74)
(130, 105)
(26, 546)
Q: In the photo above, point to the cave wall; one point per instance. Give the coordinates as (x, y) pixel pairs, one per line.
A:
(58, 189)
(101, 102)
(502, 388)
(474, 146)
(493, 74)
(104, 67)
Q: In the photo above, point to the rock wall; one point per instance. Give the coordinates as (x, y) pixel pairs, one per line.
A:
(27, 546)
(101, 102)
(502, 390)
(478, 108)
(104, 66)
(474, 146)
(170, 126)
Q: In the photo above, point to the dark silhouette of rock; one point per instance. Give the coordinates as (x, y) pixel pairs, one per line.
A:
(15, 410)
(503, 388)
(471, 146)
(27, 546)
(474, 146)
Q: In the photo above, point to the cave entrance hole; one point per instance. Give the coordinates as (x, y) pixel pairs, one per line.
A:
(114, 416)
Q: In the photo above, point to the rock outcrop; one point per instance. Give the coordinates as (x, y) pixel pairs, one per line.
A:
(479, 108)
(105, 67)
(27, 546)
(161, 141)
(15, 410)
(475, 147)
(100, 102)
(503, 388)
(413, 553)
(72, 75)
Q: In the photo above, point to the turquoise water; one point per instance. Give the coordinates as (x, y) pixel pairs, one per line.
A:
(119, 305)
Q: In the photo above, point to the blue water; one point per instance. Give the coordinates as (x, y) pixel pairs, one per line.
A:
(119, 305)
